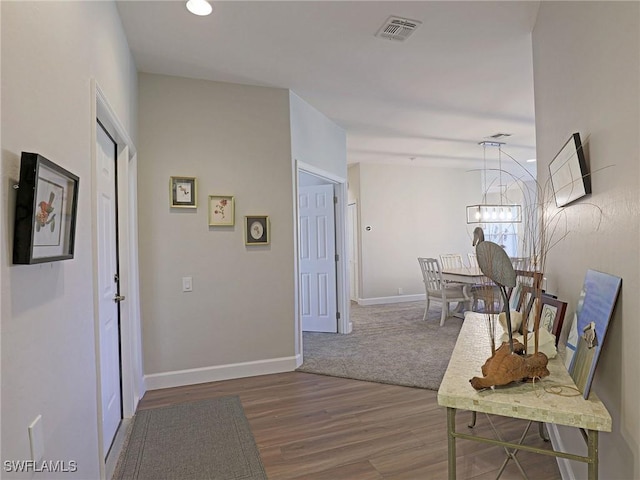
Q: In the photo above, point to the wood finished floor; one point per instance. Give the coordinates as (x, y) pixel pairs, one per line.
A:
(315, 427)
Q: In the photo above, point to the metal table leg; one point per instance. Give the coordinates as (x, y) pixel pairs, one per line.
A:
(592, 448)
(451, 441)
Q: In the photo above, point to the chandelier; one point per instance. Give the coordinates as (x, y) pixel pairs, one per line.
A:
(501, 212)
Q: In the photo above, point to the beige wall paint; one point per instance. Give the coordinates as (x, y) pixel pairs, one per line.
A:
(316, 140)
(50, 52)
(236, 140)
(586, 64)
(413, 212)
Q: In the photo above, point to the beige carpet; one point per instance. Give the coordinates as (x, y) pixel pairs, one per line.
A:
(209, 439)
(389, 344)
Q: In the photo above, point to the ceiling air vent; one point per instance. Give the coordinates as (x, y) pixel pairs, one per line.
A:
(396, 28)
(497, 136)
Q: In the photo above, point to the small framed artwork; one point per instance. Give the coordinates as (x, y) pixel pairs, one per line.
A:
(552, 315)
(46, 211)
(221, 210)
(256, 230)
(183, 192)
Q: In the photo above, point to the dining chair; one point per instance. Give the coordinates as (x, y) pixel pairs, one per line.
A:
(436, 289)
(473, 260)
(451, 260)
(520, 263)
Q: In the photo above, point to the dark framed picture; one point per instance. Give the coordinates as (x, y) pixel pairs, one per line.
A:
(570, 177)
(552, 314)
(256, 230)
(46, 211)
(183, 192)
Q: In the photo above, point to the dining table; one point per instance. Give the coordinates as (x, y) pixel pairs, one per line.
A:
(466, 275)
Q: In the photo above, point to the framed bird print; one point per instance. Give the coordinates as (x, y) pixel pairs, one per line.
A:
(46, 211)
(256, 231)
(183, 192)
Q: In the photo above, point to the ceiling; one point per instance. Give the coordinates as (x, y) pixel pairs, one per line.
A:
(464, 74)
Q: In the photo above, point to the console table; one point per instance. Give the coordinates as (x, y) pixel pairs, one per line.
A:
(526, 400)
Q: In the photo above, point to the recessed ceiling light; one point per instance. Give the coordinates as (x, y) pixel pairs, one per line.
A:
(199, 7)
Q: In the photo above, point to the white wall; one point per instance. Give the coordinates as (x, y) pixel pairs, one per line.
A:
(586, 64)
(236, 140)
(413, 212)
(316, 140)
(50, 52)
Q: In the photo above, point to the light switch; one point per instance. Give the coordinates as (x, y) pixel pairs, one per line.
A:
(187, 284)
(36, 439)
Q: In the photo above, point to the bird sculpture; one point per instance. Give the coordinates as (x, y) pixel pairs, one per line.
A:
(496, 265)
(507, 364)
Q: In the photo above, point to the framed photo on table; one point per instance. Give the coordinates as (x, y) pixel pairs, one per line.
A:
(256, 230)
(221, 210)
(183, 192)
(46, 211)
(552, 315)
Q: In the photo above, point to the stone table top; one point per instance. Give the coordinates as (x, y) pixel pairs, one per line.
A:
(551, 400)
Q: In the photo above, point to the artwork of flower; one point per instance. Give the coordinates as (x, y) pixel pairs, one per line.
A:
(221, 211)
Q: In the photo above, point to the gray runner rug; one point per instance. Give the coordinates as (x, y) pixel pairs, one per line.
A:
(209, 439)
(389, 344)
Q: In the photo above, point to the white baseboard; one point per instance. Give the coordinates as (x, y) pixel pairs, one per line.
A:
(564, 465)
(394, 299)
(216, 373)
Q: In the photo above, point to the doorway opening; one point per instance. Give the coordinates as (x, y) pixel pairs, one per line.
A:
(306, 176)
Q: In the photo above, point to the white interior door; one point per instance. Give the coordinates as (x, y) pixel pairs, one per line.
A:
(108, 287)
(318, 303)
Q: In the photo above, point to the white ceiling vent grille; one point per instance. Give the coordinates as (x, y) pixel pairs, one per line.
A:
(396, 28)
(499, 135)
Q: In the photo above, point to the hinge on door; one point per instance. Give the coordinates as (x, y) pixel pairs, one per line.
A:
(337, 257)
(335, 200)
(337, 315)
(116, 278)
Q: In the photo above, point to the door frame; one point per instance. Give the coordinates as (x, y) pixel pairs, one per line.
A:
(130, 332)
(353, 238)
(342, 273)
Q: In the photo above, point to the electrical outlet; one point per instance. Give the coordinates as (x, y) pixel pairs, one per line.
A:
(36, 439)
(187, 284)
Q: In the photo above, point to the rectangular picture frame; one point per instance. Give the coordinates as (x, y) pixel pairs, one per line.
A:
(598, 298)
(183, 192)
(568, 171)
(221, 210)
(46, 211)
(552, 314)
(256, 230)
